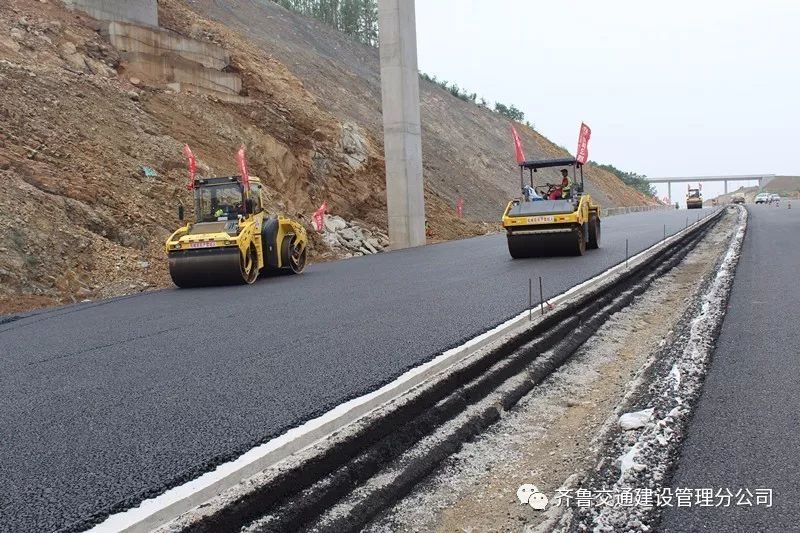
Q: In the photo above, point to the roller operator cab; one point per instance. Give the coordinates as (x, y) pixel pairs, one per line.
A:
(549, 220)
(233, 239)
(694, 199)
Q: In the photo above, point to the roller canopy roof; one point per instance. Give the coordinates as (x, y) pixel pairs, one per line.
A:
(545, 163)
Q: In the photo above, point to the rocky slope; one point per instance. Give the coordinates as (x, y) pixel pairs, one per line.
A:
(467, 150)
(84, 221)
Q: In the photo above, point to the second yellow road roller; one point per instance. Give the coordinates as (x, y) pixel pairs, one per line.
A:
(694, 198)
(552, 219)
(233, 238)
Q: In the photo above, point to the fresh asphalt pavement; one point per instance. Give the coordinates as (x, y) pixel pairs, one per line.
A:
(111, 402)
(744, 434)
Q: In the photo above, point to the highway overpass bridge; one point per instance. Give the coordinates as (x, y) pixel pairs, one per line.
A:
(761, 178)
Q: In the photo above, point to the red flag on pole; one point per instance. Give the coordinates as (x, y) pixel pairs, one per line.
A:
(582, 155)
(192, 165)
(240, 158)
(517, 145)
(460, 207)
(319, 216)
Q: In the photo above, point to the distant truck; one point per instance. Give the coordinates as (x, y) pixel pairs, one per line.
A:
(694, 199)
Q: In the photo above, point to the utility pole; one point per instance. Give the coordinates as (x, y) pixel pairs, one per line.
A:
(402, 130)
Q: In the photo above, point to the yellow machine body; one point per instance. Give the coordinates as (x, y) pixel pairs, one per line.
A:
(232, 242)
(536, 226)
(694, 199)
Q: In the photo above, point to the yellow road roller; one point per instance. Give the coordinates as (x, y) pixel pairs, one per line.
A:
(233, 239)
(694, 198)
(552, 219)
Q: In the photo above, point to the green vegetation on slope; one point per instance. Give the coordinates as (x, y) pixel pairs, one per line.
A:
(356, 18)
(511, 112)
(359, 19)
(637, 181)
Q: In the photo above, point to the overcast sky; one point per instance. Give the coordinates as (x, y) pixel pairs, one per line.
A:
(678, 88)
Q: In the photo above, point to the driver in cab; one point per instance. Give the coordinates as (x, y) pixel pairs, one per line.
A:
(564, 192)
(226, 212)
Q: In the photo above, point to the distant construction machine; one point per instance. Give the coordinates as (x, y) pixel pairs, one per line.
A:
(546, 220)
(232, 239)
(694, 198)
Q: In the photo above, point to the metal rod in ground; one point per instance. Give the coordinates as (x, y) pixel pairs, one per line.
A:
(530, 300)
(665, 232)
(626, 254)
(541, 296)
(687, 222)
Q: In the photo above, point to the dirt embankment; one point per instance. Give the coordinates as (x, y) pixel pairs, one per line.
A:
(84, 221)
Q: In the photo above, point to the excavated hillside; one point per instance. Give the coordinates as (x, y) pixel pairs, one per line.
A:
(90, 157)
(466, 149)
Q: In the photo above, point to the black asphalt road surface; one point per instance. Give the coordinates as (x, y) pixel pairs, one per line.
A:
(745, 434)
(108, 403)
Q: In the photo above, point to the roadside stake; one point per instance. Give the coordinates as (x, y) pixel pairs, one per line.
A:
(541, 296)
(626, 254)
(530, 300)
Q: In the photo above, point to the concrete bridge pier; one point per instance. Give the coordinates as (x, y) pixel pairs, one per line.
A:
(402, 130)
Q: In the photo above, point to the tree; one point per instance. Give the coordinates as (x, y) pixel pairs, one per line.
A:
(369, 22)
(510, 112)
(350, 17)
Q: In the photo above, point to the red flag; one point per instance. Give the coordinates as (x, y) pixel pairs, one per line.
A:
(460, 207)
(319, 216)
(192, 165)
(240, 158)
(517, 145)
(582, 155)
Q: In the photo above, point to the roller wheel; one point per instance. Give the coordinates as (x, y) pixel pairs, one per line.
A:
(515, 249)
(580, 245)
(250, 266)
(594, 232)
(293, 255)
